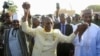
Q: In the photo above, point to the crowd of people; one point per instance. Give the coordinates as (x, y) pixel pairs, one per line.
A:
(49, 35)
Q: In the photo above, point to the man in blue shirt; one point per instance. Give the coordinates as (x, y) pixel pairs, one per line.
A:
(87, 43)
(14, 41)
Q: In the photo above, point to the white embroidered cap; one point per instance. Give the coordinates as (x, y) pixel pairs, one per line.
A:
(15, 16)
(87, 11)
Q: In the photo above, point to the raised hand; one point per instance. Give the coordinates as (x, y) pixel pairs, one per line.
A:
(26, 8)
(81, 29)
(26, 5)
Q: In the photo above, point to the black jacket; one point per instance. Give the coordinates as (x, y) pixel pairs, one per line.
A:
(22, 41)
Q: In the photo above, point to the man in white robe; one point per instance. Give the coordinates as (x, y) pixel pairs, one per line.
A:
(46, 38)
(88, 43)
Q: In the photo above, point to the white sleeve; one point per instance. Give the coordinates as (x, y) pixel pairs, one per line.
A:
(64, 38)
(27, 29)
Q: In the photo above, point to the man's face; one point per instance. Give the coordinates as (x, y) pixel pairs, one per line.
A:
(8, 19)
(68, 19)
(96, 16)
(62, 18)
(15, 23)
(36, 23)
(77, 18)
(87, 17)
(48, 25)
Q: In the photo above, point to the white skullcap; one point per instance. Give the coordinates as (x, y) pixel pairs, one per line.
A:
(87, 11)
(15, 16)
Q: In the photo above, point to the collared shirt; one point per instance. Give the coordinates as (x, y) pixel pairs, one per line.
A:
(14, 43)
(63, 28)
(90, 42)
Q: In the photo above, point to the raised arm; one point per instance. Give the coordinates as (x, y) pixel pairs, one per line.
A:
(27, 29)
(64, 38)
(24, 23)
(80, 30)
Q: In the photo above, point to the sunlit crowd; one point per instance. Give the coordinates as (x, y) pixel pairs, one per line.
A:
(50, 35)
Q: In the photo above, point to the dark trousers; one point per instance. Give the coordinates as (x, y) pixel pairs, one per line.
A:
(65, 49)
(1, 49)
(31, 45)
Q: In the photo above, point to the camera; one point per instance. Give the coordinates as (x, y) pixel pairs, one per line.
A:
(6, 5)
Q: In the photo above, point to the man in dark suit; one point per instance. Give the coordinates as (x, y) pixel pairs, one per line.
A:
(63, 49)
(5, 24)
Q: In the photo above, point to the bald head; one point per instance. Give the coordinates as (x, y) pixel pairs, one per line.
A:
(34, 18)
(47, 18)
(48, 24)
(35, 21)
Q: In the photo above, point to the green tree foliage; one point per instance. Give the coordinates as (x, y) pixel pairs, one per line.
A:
(96, 8)
(12, 8)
